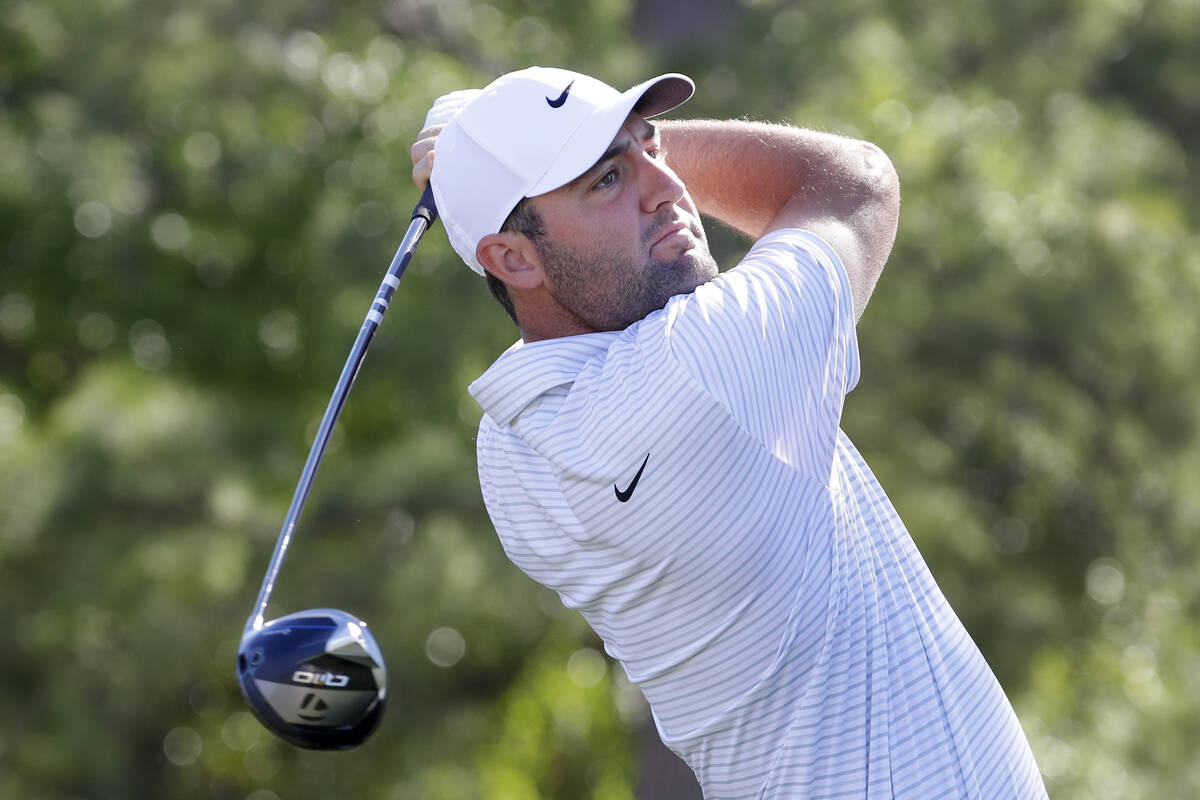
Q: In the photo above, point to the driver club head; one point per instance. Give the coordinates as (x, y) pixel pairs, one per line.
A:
(314, 678)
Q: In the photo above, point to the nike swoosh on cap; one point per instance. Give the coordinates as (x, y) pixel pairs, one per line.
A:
(562, 98)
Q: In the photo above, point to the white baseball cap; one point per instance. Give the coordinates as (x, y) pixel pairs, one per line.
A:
(528, 133)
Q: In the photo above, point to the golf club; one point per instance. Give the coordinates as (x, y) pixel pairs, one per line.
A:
(316, 678)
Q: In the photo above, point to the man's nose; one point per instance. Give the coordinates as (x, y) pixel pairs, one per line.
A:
(660, 185)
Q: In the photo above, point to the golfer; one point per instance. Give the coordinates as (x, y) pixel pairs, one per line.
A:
(662, 445)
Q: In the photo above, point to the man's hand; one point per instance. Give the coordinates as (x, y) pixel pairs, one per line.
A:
(444, 109)
(422, 155)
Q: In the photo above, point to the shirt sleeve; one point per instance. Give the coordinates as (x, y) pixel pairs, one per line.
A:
(773, 341)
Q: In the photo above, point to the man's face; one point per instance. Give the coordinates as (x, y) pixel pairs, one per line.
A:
(624, 237)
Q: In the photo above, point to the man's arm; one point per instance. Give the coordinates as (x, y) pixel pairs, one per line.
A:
(758, 177)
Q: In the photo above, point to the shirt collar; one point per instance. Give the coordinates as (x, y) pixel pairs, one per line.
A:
(526, 371)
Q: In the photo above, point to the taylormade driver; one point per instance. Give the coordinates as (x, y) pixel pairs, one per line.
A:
(316, 678)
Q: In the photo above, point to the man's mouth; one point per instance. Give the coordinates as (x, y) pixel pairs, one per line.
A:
(670, 229)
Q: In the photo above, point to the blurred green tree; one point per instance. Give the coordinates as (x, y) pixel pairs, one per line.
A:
(197, 201)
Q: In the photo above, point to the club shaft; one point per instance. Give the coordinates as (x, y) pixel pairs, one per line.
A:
(423, 217)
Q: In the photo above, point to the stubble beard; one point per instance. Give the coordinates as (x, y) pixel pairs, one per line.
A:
(609, 293)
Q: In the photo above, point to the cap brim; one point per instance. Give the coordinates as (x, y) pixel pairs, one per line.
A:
(580, 153)
(659, 95)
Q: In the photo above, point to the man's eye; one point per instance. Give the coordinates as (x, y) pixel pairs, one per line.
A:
(654, 152)
(608, 179)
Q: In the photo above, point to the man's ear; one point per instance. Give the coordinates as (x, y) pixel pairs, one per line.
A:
(512, 258)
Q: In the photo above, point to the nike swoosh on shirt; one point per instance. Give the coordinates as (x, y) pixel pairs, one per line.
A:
(562, 98)
(624, 496)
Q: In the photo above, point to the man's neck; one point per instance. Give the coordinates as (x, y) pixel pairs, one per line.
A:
(544, 318)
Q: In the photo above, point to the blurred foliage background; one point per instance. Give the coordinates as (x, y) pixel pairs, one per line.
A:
(197, 201)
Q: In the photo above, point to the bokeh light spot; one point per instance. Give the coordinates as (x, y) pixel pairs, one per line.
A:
(371, 219)
(182, 746)
(96, 331)
(148, 341)
(240, 731)
(445, 647)
(93, 219)
(302, 56)
(279, 331)
(202, 150)
(170, 231)
(16, 317)
(12, 417)
(1105, 581)
(586, 668)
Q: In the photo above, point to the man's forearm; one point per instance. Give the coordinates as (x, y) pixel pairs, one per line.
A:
(744, 173)
(757, 177)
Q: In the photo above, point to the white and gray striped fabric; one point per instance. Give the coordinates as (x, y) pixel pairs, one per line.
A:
(685, 485)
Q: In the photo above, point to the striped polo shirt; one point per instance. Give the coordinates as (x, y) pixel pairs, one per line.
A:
(684, 484)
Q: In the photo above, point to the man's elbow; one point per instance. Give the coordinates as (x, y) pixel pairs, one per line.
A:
(879, 213)
(882, 186)
(875, 220)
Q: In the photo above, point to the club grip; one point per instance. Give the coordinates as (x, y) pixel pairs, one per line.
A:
(426, 208)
